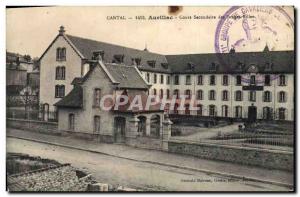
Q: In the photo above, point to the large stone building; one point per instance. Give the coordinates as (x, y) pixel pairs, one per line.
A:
(232, 85)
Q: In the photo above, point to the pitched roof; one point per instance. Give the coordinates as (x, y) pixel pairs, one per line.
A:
(87, 46)
(73, 99)
(127, 76)
(282, 61)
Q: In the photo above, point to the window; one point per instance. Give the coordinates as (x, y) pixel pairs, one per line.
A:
(161, 79)
(267, 80)
(225, 95)
(148, 77)
(200, 95)
(212, 80)
(238, 95)
(267, 96)
(96, 124)
(200, 80)
(188, 94)
(238, 80)
(282, 97)
(225, 80)
(252, 80)
(71, 122)
(60, 73)
(199, 111)
(224, 110)
(168, 79)
(187, 109)
(252, 96)
(188, 80)
(97, 96)
(282, 81)
(176, 80)
(212, 110)
(59, 91)
(61, 54)
(161, 93)
(155, 78)
(176, 93)
(154, 91)
(212, 95)
(238, 111)
(281, 114)
(168, 93)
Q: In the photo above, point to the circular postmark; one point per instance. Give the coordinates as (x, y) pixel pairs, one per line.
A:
(253, 28)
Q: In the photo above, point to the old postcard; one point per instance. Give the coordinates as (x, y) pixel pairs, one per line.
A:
(142, 99)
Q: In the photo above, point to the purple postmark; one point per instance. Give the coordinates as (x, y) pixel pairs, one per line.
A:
(252, 28)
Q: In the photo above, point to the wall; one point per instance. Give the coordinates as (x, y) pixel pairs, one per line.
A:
(40, 126)
(248, 156)
(48, 66)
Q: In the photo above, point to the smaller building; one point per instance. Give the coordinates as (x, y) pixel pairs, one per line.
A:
(80, 110)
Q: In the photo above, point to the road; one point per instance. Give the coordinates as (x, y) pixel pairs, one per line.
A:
(138, 175)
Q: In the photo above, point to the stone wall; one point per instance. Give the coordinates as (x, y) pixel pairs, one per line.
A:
(40, 126)
(248, 156)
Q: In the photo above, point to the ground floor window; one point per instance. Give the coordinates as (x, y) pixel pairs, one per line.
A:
(96, 124)
(282, 113)
(199, 111)
(142, 125)
(71, 122)
(187, 109)
(238, 111)
(225, 111)
(212, 110)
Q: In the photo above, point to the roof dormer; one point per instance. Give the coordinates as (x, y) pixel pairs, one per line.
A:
(151, 63)
(118, 58)
(213, 67)
(165, 65)
(191, 66)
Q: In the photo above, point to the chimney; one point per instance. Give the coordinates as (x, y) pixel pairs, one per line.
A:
(98, 55)
(61, 30)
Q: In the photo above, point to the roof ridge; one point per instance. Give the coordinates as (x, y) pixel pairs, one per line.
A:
(140, 50)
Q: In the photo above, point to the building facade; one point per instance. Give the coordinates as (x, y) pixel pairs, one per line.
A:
(232, 85)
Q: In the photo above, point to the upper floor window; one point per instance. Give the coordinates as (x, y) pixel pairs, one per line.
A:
(60, 73)
(161, 93)
(282, 80)
(176, 93)
(97, 97)
(154, 91)
(200, 95)
(168, 79)
(188, 80)
(225, 95)
(267, 96)
(61, 54)
(238, 95)
(200, 80)
(176, 80)
(148, 77)
(168, 93)
(212, 80)
(225, 80)
(238, 80)
(252, 80)
(155, 78)
(161, 79)
(252, 96)
(282, 97)
(267, 80)
(188, 94)
(212, 95)
(59, 91)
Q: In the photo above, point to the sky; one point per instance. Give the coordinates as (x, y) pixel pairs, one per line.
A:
(31, 30)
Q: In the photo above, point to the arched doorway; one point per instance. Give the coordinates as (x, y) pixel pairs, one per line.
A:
(142, 126)
(155, 126)
(119, 129)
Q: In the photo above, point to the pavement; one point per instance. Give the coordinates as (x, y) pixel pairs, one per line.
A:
(251, 173)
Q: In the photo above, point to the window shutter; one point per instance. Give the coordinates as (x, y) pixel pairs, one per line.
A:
(270, 97)
(278, 96)
(286, 96)
(286, 79)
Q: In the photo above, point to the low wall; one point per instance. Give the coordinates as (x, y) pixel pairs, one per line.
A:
(40, 126)
(249, 156)
(145, 142)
